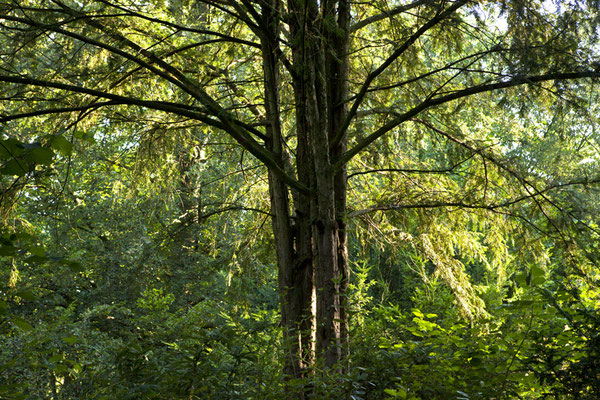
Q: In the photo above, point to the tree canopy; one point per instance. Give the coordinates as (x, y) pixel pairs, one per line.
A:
(299, 199)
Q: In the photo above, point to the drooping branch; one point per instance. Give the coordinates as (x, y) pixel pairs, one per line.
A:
(448, 66)
(234, 207)
(160, 68)
(464, 205)
(436, 101)
(37, 113)
(244, 139)
(412, 170)
(181, 28)
(532, 190)
(167, 71)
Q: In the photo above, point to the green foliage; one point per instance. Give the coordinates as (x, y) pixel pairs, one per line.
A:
(136, 257)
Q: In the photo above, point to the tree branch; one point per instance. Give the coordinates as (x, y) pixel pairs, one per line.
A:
(463, 205)
(182, 28)
(446, 67)
(58, 110)
(169, 73)
(388, 14)
(432, 102)
(411, 170)
(244, 140)
(393, 57)
(531, 189)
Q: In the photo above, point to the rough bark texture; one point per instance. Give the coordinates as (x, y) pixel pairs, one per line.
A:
(338, 69)
(320, 76)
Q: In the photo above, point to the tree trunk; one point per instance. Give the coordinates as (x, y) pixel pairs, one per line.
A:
(320, 76)
(338, 93)
(310, 241)
(293, 240)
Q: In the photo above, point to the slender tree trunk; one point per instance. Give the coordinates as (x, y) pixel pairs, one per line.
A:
(293, 240)
(338, 93)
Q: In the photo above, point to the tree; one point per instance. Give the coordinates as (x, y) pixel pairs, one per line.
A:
(306, 87)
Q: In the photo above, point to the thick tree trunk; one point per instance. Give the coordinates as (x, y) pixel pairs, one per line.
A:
(311, 244)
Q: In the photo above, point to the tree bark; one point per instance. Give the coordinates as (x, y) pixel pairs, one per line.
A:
(338, 92)
(293, 240)
(320, 85)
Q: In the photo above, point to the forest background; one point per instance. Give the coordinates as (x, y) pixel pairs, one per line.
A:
(218, 199)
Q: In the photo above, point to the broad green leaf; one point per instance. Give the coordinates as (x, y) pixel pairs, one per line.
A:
(33, 145)
(55, 358)
(521, 279)
(70, 339)
(39, 251)
(10, 148)
(41, 155)
(21, 323)
(85, 136)
(7, 250)
(15, 167)
(77, 368)
(537, 275)
(538, 280)
(62, 145)
(27, 295)
(60, 368)
(75, 266)
(536, 271)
